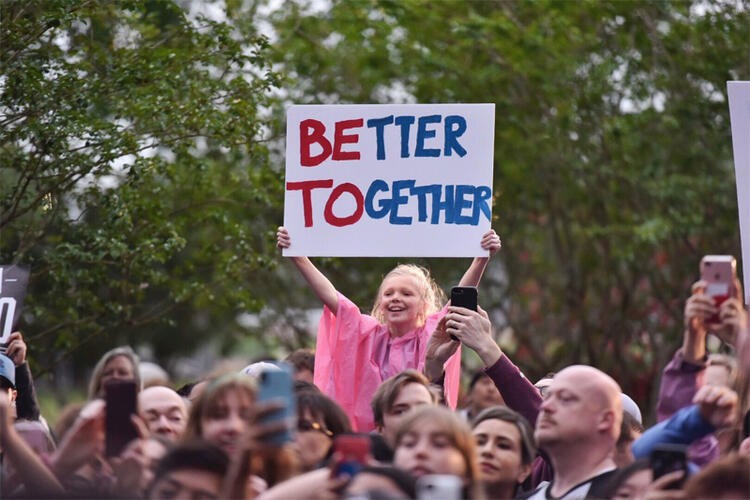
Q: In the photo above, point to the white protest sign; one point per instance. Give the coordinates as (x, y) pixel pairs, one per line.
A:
(412, 180)
(739, 113)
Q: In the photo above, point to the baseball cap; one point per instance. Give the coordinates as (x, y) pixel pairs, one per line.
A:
(8, 370)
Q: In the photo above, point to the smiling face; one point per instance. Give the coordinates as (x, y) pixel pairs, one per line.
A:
(499, 452)
(401, 304)
(428, 449)
(226, 420)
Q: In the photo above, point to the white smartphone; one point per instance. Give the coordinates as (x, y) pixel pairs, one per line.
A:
(439, 487)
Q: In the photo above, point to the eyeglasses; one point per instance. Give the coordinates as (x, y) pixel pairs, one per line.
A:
(305, 425)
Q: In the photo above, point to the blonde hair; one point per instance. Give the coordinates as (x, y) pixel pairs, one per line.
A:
(431, 294)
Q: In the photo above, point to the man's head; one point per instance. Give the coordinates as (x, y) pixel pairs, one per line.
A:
(483, 393)
(192, 470)
(396, 397)
(303, 361)
(164, 412)
(583, 409)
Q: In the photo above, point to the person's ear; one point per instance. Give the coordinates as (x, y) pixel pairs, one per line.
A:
(12, 394)
(523, 472)
(606, 421)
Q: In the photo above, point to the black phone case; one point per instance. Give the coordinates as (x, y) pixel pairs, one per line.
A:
(121, 406)
(464, 296)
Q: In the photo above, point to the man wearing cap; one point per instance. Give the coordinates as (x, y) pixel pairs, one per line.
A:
(8, 379)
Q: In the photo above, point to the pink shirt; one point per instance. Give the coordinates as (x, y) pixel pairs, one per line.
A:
(355, 353)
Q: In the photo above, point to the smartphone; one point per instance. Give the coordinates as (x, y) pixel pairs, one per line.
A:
(666, 458)
(351, 451)
(279, 385)
(439, 487)
(720, 273)
(120, 397)
(464, 296)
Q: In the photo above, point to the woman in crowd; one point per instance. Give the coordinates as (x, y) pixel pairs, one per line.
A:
(226, 415)
(319, 421)
(435, 440)
(505, 450)
(373, 348)
(120, 363)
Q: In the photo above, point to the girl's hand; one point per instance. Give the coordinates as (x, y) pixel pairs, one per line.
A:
(491, 241)
(282, 238)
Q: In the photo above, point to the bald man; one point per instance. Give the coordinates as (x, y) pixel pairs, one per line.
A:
(578, 427)
(164, 412)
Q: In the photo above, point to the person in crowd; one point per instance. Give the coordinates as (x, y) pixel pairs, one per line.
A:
(152, 374)
(395, 398)
(435, 440)
(303, 361)
(120, 363)
(505, 448)
(578, 428)
(714, 407)
(163, 411)
(221, 415)
(686, 372)
(482, 394)
(22, 465)
(373, 348)
(26, 405)
(726, 478)
(319, 421)
(227, 415)
(636, 481)
(381, 482)
(194, 470)
(473, 329)
(630, 430)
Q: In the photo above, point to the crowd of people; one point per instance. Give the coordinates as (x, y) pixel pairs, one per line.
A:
(376, 414)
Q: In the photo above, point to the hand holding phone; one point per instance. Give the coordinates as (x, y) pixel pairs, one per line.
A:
(279, 385)
(464, 296)
(668, 458)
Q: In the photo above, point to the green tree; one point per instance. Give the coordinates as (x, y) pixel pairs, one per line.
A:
(613, 166)
(134, 177)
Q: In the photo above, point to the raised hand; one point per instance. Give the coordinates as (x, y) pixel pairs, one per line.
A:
(282, 238)
(491, 241)
(717, 404)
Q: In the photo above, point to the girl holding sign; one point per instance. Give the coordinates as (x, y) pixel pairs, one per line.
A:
(355, 352)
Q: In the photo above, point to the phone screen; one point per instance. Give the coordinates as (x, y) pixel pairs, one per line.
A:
(121, 406)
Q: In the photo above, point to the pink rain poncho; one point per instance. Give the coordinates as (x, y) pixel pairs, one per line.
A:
(355, 353)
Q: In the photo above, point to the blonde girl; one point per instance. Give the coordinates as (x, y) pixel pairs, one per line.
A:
(355, 352)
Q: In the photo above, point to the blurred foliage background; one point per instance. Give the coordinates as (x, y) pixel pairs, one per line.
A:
(141, 167)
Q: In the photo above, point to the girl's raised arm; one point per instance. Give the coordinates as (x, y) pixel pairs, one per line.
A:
(321, 286)
(472, 276)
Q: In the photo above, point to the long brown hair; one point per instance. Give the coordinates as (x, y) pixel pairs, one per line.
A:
(454, 428)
